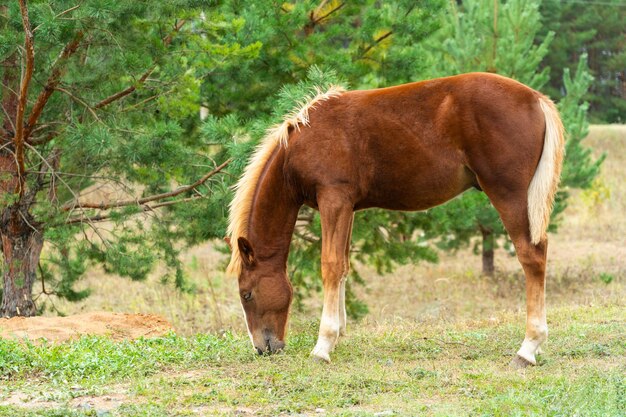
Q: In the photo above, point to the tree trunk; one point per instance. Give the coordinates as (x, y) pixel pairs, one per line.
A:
(21, 248)
(488, 245)
(21, 239)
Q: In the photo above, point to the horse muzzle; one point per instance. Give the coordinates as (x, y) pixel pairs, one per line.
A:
(269, 344)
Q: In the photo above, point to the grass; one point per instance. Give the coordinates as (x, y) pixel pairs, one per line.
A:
(437, 341)
(400, 367)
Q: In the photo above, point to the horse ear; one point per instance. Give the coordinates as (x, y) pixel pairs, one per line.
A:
(247, 253)
(227, 240)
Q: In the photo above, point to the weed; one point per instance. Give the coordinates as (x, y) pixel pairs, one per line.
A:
(606, 278)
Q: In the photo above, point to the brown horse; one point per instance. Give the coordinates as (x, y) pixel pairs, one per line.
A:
(408, 147)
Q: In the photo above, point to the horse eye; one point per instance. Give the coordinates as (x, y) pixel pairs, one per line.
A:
(247, 296)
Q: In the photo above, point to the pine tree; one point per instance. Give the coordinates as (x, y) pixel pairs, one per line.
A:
(113, 101)
(96, 94)
(595, 29)
(498, 36)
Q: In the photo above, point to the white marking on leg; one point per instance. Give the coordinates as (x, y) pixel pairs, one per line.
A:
(536, 334)
(342, 307)
(329, 328)
(329, 332)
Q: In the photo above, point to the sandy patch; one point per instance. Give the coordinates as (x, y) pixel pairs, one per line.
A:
(22, 400)
(118, 326)
(99, 403)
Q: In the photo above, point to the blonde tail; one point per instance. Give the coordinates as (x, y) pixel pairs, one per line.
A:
(545, 182)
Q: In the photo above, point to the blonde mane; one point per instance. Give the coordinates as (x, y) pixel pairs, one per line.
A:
(278, 135)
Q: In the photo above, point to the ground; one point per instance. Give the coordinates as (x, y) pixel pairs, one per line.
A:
(117, 326)
(437, 340)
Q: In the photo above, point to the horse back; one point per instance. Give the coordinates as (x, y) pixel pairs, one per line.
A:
(418, 145)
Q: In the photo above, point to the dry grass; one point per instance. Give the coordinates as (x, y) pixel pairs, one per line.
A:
(591, 242)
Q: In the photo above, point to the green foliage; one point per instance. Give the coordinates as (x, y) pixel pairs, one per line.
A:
(482, 35)
(579, 169)
(148, 142)
(369, 43)
(595, 29)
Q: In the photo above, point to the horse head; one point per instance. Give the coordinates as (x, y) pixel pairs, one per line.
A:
(266, 294)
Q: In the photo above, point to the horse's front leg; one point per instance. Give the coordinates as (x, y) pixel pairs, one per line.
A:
(336, 218)
(343, 317)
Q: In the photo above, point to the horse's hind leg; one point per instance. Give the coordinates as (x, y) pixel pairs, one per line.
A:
(514, 213)
(533, 260)
(336, 215)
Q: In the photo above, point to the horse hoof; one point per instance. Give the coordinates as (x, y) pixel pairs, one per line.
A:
(519, 363)
(320, 357)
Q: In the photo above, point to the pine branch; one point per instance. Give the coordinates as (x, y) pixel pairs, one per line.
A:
(314, 19)
(18, 139)
(52, 170)
(79, 101)
(59, 15)
(376, 42)
(44, 139)
(177, 27)
(58, 69)
(71, 9)
(320, 18)
(128, 90)
(140, 201)
(144, 208)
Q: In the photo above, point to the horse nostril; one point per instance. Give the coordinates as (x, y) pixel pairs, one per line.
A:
(259, 351)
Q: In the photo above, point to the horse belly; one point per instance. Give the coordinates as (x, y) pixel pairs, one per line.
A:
(416, 186)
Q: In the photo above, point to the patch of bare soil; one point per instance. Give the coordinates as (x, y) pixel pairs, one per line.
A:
(22, 400)
(101, 404)
(118, 326)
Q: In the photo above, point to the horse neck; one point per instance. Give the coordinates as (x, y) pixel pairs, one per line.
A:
(274, 213)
